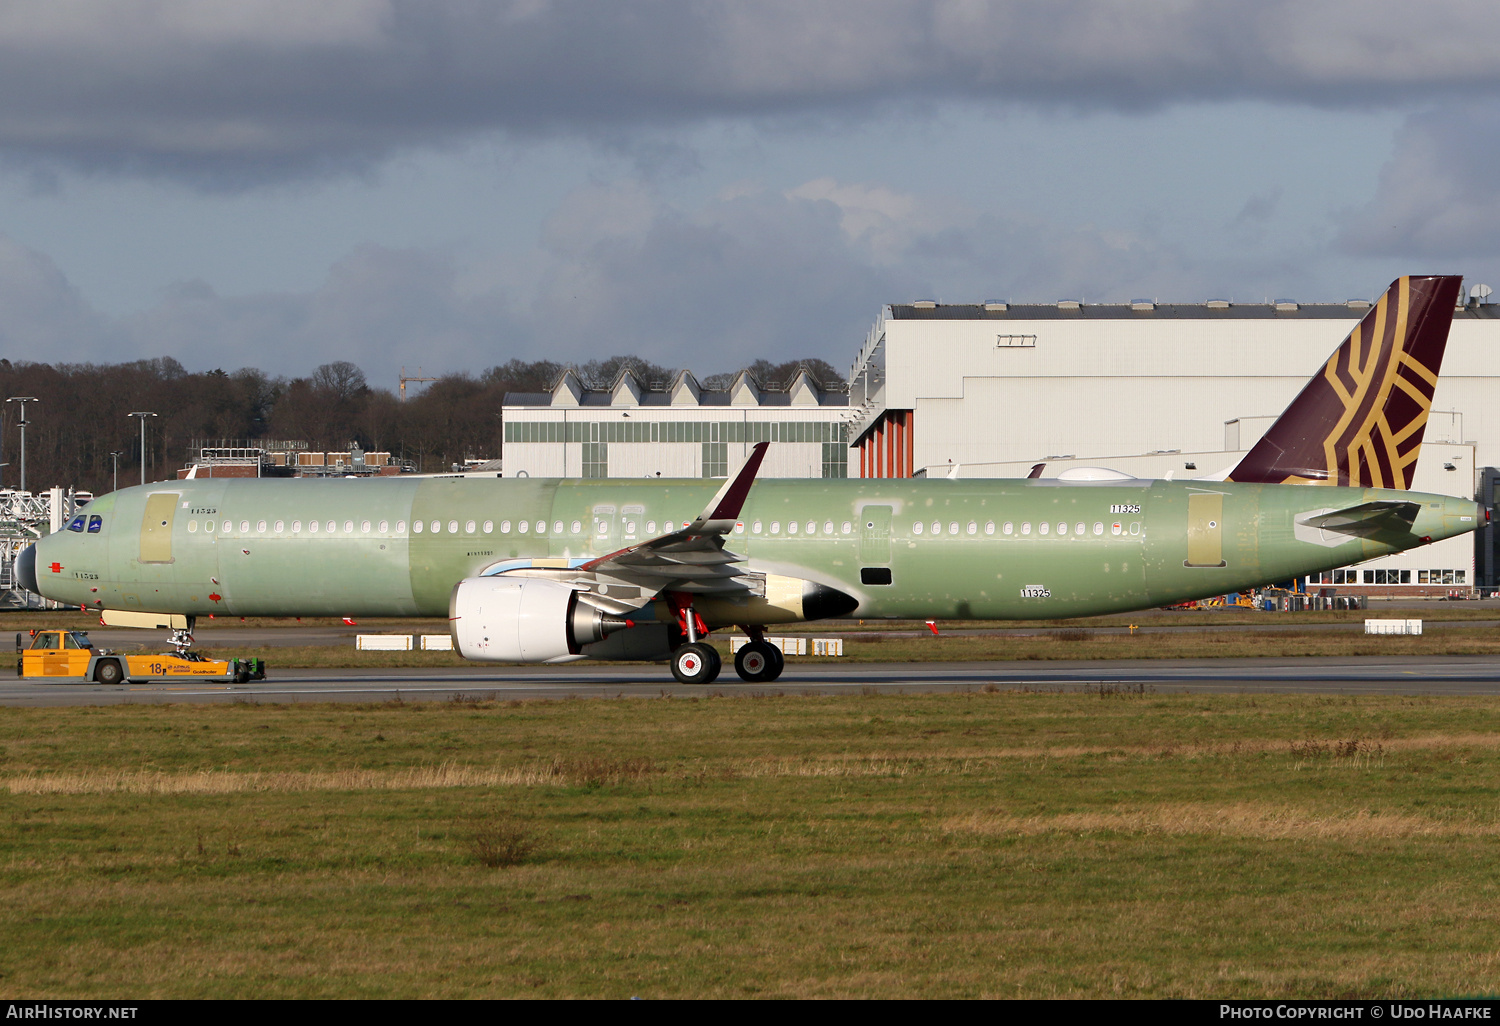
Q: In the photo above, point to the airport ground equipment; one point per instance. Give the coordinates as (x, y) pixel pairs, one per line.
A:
(68, 657)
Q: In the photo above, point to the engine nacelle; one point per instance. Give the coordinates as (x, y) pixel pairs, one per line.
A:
(523, 620)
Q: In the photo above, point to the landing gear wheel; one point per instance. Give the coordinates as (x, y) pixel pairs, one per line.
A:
(779, 662)
(108, 673)
(697, 663)
(757, 661)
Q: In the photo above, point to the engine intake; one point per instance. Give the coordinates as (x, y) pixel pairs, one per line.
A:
(524, 620)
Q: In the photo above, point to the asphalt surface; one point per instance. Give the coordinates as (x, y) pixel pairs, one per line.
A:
(1442, 675)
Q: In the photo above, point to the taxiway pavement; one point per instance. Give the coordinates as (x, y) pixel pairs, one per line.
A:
(1442, 675)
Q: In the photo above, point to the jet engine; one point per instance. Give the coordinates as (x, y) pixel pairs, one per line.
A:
(524, 620)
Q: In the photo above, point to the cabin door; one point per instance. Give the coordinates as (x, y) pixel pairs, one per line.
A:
(1205, 529)
(875, 536)
(156, 527)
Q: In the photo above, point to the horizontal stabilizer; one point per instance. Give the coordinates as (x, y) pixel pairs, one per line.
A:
(1367, 518)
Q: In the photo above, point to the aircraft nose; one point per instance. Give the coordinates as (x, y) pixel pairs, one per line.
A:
(26, 569)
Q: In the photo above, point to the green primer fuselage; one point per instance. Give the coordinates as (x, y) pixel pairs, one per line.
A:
(980, 551)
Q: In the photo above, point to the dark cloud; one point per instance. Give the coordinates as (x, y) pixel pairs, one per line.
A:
(237, 93)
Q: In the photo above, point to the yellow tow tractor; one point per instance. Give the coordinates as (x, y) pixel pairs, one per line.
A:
(68, 657)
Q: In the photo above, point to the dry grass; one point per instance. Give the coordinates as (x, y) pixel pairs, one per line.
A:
(978, 845)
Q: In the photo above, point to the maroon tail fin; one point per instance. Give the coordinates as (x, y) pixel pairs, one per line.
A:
(1360, 420)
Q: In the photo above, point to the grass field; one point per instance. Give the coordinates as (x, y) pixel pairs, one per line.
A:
(990, 844)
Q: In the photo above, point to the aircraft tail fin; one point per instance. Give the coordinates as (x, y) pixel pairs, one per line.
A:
(1360, 420)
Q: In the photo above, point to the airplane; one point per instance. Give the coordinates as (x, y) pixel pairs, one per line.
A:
(549, 571)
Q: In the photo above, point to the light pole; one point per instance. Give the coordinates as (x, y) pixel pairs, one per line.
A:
(143, 416)
(23, 400)
(116, 457)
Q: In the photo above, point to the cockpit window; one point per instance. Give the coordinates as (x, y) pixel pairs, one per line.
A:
(95, 522)
(77, 524)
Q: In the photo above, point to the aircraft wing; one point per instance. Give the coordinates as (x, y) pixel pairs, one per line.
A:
(1367, 518)
(693, 559)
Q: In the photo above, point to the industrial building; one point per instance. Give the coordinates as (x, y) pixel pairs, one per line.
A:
(990, 390)
(675, 428)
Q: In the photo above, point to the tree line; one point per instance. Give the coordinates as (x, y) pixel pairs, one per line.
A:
(79, 430)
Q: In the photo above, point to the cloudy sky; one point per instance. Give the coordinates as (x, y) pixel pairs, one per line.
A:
(450, 185)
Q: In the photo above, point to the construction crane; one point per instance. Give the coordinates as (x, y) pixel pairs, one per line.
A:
(405, 379)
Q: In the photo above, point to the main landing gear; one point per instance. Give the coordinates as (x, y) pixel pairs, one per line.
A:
(757, 662)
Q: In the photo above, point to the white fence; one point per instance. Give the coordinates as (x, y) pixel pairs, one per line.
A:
(383, 642)
(1393, 626)
(402, 642)
(795, 646)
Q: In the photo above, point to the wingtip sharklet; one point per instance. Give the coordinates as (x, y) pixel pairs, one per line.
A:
(725, 506)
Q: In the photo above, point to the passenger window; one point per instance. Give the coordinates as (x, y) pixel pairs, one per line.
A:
(521, 528)
(848, 528)
(1115, 529)
(1042, 528)
(332, 526)
(917, 527)
(1062, 528)
(95, 523)
(296, 527)
(192, 527)
(312, 527)
(791, 527)
(489, 526)
(280, 526)
(505, 527)
(651, 527)
(385, 526)
(812, 527)
(556, 527)
(244, 527)
(989, 527)
(260, 528)
(1098, 529)
(577, 526)
(1009, 527)
(400, 526)
(828, 527)
(228, 526)
(453, 527)
(437, 526)
(755, 527)
(364, 527)
(1078, 529)
(77, 524)
(776, 527)
(973, 527)
(348, 527)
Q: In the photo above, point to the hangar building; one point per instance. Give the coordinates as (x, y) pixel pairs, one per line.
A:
(675, 428)
(1154, 389)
